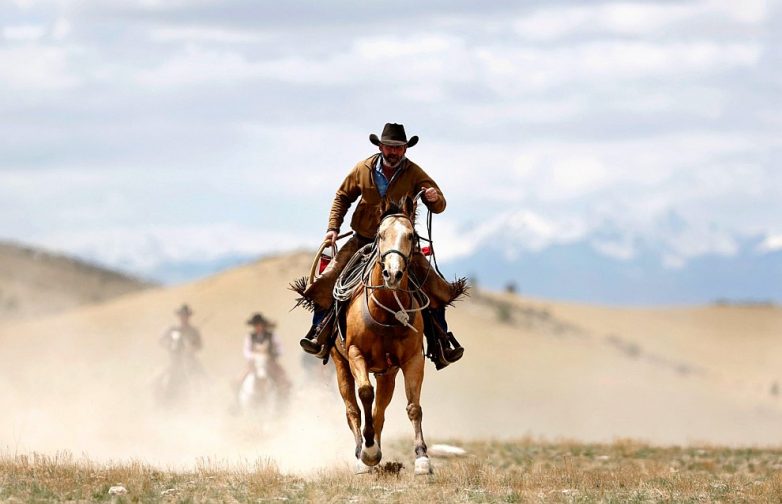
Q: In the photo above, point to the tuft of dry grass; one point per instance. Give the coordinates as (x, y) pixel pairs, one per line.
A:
(519, 471)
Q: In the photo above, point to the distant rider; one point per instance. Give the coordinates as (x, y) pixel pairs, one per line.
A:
(261, 339)
(183, 340)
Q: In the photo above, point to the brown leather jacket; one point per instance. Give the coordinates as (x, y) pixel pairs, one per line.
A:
(407, 181)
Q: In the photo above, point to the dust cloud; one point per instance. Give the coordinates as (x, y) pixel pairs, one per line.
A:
(106, 409)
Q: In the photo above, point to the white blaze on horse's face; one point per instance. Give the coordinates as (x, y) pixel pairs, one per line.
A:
(396, 235)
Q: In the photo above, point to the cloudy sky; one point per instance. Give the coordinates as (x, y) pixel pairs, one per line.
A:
(136, 132)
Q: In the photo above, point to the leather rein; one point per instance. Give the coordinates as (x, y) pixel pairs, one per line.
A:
(402, 315)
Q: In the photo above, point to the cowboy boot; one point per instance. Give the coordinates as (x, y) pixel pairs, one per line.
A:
(446, 338)
(319, 334)
(439, 341)
(455, 353)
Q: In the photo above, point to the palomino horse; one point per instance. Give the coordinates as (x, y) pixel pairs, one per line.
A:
(384, 333)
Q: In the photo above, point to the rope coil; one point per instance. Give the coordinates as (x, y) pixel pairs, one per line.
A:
(354, 277)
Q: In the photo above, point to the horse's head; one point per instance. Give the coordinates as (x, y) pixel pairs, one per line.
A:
(261, 362)
(395, 241)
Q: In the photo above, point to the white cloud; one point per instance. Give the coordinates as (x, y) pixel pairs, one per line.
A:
(746, 11)
(609, 61)
(61, 29)
(772, 243)
(528, 230)
(199, 66)
(36, 68)
(23, 33)
(381, 48)
(698, 241)
(623, 251)
(204, 34)
(633, 18)
(145, 248)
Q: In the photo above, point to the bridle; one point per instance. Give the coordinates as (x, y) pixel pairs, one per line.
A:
(402, 315)
(346, 286)
(405, 257)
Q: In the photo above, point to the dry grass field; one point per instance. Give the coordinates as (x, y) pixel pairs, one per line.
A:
(522, 471)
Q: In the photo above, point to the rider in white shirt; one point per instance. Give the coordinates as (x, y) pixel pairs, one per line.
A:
(261, 338)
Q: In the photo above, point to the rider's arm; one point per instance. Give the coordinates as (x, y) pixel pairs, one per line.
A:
(425, 181)
(347, 193)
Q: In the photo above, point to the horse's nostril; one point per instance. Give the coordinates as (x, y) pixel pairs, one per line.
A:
(398, 275)
(385, 273)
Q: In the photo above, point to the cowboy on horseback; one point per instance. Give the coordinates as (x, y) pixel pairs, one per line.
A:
(387, 176)
(182, 339)
(261, 338)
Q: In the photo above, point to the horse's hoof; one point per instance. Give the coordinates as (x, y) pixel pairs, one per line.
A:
(362, 468)
(423, 467)
(371, 455)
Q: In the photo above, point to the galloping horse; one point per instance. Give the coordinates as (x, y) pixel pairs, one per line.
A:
(384, 333)
(255, 389)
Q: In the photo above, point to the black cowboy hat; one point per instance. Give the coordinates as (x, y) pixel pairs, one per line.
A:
(184, 310)
(393, 134)
(257, 318)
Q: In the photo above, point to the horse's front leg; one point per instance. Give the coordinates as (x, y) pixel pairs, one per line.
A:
(413, 372)
(370, 454)
(385, 391)
(347, 389)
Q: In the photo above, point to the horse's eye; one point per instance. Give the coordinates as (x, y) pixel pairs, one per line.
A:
(410, 236)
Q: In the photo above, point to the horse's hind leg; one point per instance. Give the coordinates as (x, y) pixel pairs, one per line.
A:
(414, 377)
(347, 389)
(370, 454)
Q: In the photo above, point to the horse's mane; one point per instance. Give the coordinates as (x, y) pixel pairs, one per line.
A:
(398, 207)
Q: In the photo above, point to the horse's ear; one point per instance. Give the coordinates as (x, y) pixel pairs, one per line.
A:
(408, 207)
(384, 206)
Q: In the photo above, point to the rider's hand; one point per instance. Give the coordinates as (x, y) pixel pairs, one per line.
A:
(331, 237)
(431, 195)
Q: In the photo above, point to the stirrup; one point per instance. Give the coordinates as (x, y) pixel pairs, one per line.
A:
(455, 353)
(435, 353)
(314, 348)
(309, 346)
(441, 355)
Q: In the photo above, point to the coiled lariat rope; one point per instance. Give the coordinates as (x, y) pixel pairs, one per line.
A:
(353, 277)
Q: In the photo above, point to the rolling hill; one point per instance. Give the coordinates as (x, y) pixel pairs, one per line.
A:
(34, 282)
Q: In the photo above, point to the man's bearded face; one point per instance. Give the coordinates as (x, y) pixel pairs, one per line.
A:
(392, 154)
